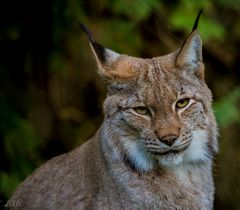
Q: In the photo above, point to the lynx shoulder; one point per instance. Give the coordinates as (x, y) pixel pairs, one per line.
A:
(155, 147)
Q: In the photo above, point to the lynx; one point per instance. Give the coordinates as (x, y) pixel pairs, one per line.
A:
(154, 149)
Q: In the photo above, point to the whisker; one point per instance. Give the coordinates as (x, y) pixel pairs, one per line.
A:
(158, 150)
(182, 145)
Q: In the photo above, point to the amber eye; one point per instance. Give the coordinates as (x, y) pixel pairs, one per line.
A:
(182, 103)
(142, 110)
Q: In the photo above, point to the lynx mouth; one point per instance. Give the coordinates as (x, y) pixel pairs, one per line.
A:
(169, 152)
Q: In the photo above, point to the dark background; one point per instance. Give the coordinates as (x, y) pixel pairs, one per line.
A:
(51, 95)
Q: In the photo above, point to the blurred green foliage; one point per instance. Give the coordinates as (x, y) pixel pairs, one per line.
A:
(51, 95)
(226, 109)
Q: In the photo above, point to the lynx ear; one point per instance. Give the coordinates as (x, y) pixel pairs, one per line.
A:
(108, 61)
(190, 54)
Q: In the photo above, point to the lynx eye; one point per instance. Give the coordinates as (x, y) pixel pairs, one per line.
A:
(182, 103)
(142, 110)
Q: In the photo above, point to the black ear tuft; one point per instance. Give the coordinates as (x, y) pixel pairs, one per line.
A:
(197, 20)
(99, 49)
(89, 34)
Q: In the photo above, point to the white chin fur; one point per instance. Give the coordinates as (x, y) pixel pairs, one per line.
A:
(169, 160)
(197, 151)
(144, 161)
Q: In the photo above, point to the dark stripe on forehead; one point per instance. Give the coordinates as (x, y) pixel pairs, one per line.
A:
(161, 90)
(157, 71)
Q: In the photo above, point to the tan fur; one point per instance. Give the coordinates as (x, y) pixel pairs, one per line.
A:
(126, 165)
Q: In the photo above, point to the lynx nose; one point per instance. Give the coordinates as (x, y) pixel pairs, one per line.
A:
(169, 139)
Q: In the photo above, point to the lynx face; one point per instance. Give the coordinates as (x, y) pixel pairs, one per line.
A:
(162, 116)
(158, 111)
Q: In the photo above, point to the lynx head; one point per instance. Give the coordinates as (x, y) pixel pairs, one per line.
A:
(158, 112)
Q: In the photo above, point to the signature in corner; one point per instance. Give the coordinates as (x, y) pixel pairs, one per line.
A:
(11, 203)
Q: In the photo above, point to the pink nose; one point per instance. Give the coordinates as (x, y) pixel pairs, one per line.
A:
(169, 139)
